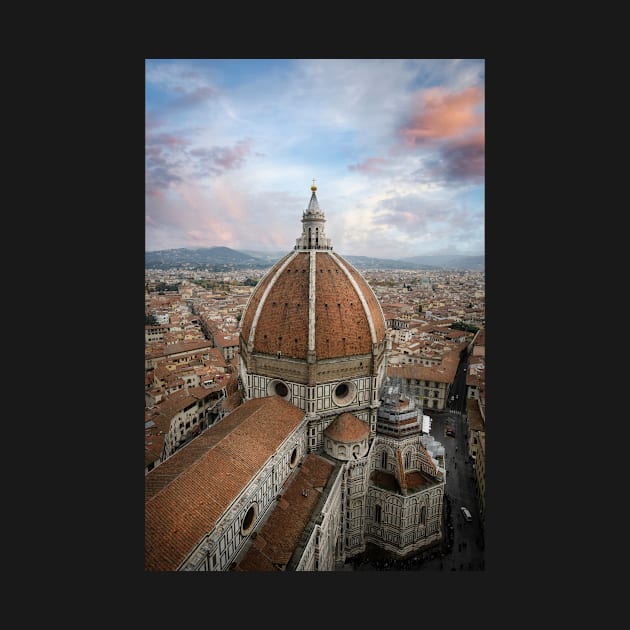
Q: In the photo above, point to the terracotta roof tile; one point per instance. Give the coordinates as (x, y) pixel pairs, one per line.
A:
(442, 373)
(279, 537)
(190, 490)
(475, 420)
(347, 428)
(341, 323)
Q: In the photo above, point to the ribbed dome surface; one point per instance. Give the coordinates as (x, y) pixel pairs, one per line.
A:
(313, 300)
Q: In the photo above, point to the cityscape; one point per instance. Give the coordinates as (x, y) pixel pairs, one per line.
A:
(424, 397)
(315, 314)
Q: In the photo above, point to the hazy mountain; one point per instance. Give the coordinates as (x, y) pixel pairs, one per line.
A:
(360, 262)
(450, 261)
(368, 262)
(271, 257)
(201, 257)
(223, 258)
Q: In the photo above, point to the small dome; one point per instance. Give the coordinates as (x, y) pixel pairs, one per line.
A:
(346, 438)
(347, 428)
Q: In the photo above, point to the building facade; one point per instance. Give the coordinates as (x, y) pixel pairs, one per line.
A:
(323, 457)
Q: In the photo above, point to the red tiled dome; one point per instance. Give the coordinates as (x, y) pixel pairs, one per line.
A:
(347, 428)
(313, 300)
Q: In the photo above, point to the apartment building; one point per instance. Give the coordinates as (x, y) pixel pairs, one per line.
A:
(178, 418)
(182, 352)
(431, 384)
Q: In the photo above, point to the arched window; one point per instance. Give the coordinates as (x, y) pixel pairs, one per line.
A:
(407, 460)
(423, 513)
(384, 460)
(377, 513)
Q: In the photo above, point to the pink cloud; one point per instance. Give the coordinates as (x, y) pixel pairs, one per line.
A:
(444, 116)
(197, 235)
(369, 166)
(465, 158)
(193, 97)
(219, 159)
(152, 121)
(165, 139)
(163, 153)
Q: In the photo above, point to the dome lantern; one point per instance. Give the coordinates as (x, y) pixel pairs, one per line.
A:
(313, 233)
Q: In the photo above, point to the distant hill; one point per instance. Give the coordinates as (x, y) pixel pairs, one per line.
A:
(217, 258)
(270, 257)
(368, 262)
(450, 261)
(225, 258)
(360, 262)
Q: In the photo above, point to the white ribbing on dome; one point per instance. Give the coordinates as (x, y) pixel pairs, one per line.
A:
(312, 279)
(263, 299)
(366, 308)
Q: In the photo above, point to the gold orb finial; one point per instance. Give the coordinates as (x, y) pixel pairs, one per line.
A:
(313, 187)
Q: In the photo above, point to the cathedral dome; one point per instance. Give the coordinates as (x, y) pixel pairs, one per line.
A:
(313, 304)
(313, 300)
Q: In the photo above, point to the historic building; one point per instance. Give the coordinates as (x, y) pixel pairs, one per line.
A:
(322, 457)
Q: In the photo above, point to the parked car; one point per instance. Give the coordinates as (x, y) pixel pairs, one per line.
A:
(450, 431)
(466, 513)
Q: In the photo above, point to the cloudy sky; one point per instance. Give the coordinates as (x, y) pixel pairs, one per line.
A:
(396, 148)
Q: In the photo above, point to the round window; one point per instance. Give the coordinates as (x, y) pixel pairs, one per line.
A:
(249, 519)
(344, 393)
(278, 388)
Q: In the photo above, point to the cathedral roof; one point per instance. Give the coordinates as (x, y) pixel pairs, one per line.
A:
(187, 493)
(280, 535)
(347, 428)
